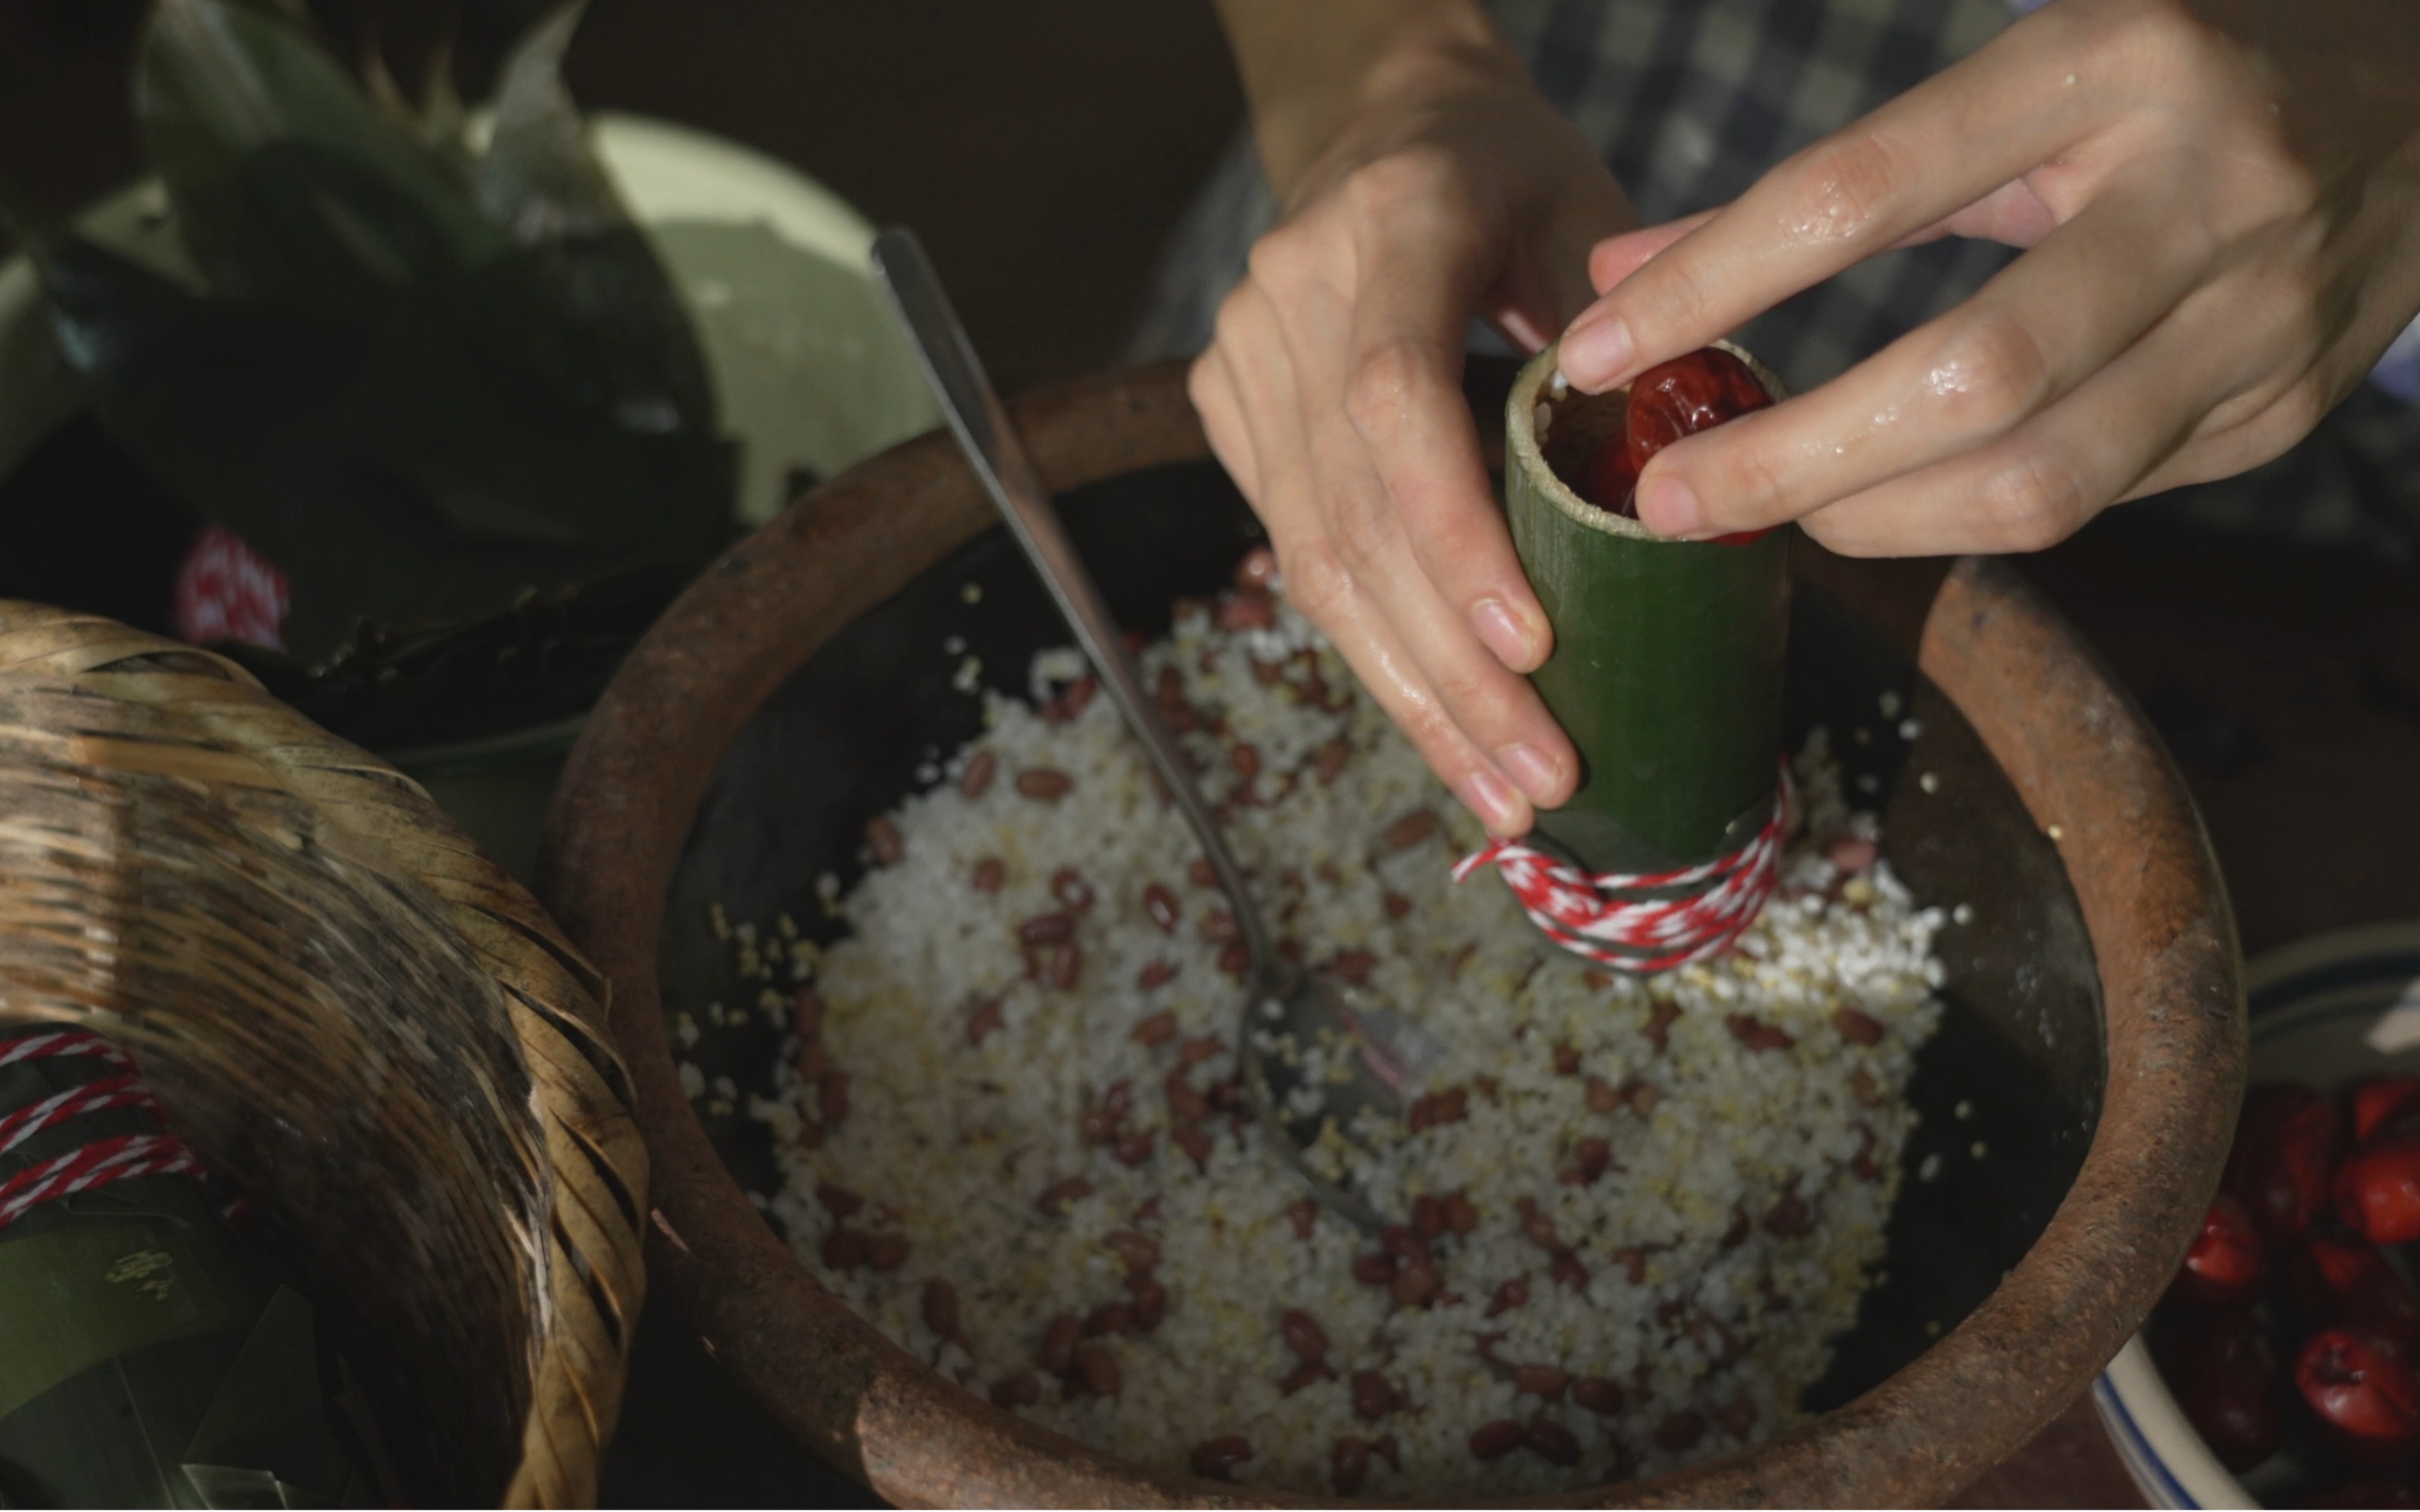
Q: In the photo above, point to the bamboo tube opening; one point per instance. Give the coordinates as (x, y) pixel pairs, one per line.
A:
(1555, 437)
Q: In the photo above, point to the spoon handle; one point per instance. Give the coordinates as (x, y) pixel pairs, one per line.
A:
(980, 424)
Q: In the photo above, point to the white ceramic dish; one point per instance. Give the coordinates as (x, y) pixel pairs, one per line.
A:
(2324, 1011)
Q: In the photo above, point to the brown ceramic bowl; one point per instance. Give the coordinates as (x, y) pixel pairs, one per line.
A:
(2093, 1043)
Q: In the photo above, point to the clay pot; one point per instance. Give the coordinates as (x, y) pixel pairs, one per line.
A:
(2095, 1031)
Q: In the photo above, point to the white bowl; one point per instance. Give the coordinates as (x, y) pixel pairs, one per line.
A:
(2324, 1011)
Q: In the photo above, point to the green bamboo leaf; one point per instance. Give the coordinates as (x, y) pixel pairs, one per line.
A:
(287, 182)
(541, 181)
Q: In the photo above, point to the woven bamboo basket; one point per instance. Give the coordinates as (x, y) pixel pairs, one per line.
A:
(359, 1022)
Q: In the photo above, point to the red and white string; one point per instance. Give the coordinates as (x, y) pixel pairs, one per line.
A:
(1616, 919)
(96, 1163)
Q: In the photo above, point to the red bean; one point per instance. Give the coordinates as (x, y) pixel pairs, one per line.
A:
(1138, 1250)
(1058, 1196)
(1738, 1418)
(1409, 831)
(1185, 1104)
(1348, 1465)
(1512, 1294)
(882, 838)
(1220, 926)
(1019, 1390)
(1373, 1269)
(976, 779)
(1060, 1337)
(1372, 1397)
(839, 1201)
(1537, 1226)
(843, 1250)
(1353, 966)
(1436, 1109)
(832, 1095)
(1046, 929)
(1110, 1317)
(1074, 893)
(1302, 1212)
(1066, 965)
(1217, 1459)
(1789, 1217)
(1643, 1096)
(1428, 1216)
(1461, 1214)
(1201, 1048)
(1660, 1019)
(886, 1251)
(1328, 762)
(1551, 1441)
(1545, 1380)
(990, 873)
(1598, 1394)
(1680, 1431)
(1156, 1029)
(1856, 1027)
(1494, 1441)
(1134, 1149)
(1404, 1244)
(1162, 906)
(1593, 1155)
(1602, 1095)
(1189, 1138)
(1201, 874)
(985, 1018)
(1047, 784)
(1756, 1034)
(941, 1307)
(1567, 1059)
(1303, 1334)
(1098, 1369)
(1248, 608)
(1415, 1284)
(1397, 906)
(1154, 974)
(1150, 1302)
(1246, 758)
(1233, 958)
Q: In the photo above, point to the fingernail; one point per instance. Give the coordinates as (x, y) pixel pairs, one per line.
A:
(1668, 506)
(1539, 776)
(1595, 354)
(1501, 633)
(1494, 801)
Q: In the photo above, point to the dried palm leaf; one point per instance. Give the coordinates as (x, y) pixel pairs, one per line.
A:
(355, 1017)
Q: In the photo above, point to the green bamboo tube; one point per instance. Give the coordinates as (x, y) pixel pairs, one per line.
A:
(1668, 660)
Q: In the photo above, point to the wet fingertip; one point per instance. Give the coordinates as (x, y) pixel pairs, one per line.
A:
(1594, 353)
(1541, 777)
(1519, 646)
(1498, 806)
(1670, 507)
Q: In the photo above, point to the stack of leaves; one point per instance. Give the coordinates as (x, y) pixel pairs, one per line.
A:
(423, 377)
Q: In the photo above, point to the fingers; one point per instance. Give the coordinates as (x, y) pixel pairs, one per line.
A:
(1402, 392)
(2032, 334)
(2041, 481)
(1616, 258)
(1920, 158)
(1350, 567)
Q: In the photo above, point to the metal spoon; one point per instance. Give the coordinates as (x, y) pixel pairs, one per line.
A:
(1288, 1010)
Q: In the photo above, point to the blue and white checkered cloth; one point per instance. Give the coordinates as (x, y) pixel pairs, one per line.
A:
(1689, 101)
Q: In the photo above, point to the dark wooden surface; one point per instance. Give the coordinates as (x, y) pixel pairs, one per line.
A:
(1044, 150)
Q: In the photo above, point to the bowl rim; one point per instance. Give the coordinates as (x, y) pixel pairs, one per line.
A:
(2079, 754)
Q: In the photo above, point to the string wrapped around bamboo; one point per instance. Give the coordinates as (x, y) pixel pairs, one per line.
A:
(1667, 661)
(356, 1019)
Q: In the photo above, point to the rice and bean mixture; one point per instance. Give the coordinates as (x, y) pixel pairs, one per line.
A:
(1633, 1214)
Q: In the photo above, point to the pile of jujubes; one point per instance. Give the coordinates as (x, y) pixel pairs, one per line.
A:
(2293, 1325)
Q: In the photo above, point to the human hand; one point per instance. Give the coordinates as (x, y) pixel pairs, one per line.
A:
(2221, 200)
(1332, 395)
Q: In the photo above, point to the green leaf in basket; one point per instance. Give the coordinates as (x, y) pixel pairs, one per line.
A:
(288, 183)
(402, 474)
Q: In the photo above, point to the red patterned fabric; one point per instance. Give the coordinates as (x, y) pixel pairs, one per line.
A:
(1632, 923)
(226, 591)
